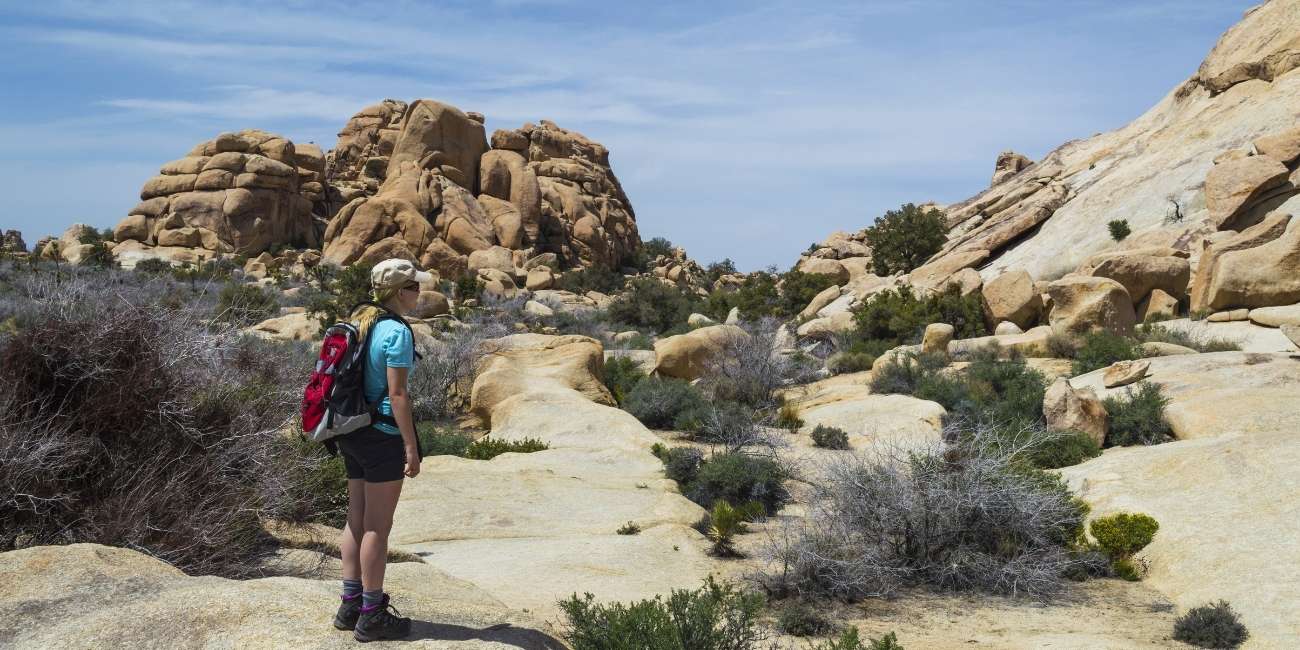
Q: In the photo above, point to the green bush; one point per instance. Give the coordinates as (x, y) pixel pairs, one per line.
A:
(800, 618)
(904, 239)
(593, 278)
(1005, 391)
(1123, 534)
(905, 373)
(1155, 333)
(644, 257)
(652, 304)
(716, 270)
(726, 421)
(842, 363)
(1213, 625)
(898, 316)
(798, 289)
(630, 528)
(1068, 448)
(1140, 419)
(787, 417)
(681, 464)
(153, 266)
(1102, 348)
(830, 437)
(714, 617)
(1119, 229)
(756, 297)
(666, 403)
(725, 522)
(622, 374)
(738, 478)
(245, 304)
(487, 448)
(341, 289)
(1062, 346)
(850, 640)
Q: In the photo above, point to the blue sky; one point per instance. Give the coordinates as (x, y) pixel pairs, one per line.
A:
(739, 129)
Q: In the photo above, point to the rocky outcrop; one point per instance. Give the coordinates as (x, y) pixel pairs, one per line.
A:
(1216, 491)
(1086, 304)
(1069, 409)
(687, 356)
(1272, 227)
(12, 242)
(421, 181)
(1262, 276)
(244, 193)
(1009, 164)
(1142, 274)
(1011, 297)
(1052, 215)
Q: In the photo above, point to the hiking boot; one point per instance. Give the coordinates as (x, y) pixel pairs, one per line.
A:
(381, 622)
(349, 611)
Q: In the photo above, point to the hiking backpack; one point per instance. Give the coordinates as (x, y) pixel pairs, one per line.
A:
(334, 402)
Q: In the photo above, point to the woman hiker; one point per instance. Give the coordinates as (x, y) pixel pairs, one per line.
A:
(377, 457)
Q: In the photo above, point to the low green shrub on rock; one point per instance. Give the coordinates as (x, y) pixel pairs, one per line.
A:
(1120, 536)
(830, 437)
(800, 618)
(898, 316)
(1139, 419)
(436, 441)
(666, 403)
(713, 617)
(622, 374)
(647, 302)
(1214, 625)
(738, 477)
(1101, 348)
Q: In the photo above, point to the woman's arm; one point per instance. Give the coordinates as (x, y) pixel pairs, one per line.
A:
(401, 402)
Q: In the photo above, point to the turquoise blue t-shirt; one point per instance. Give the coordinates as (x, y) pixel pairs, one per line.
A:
(391, 346)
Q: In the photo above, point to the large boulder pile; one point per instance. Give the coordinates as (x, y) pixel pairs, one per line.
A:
(421, 181)
(245, 193)
(12, 242)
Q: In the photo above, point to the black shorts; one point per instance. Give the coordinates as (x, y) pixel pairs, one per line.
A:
(373, 455)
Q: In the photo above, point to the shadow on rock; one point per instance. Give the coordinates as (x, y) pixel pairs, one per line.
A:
(505, 633)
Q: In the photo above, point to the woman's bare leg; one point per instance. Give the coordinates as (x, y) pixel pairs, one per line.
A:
(350, 541)
(377, 521)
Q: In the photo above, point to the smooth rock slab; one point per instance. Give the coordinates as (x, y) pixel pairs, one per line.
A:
(1276, 316)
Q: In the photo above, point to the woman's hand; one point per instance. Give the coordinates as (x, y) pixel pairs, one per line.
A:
(412, 461)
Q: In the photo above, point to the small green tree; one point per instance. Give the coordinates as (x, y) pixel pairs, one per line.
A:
(1119, 229)
(904, 238)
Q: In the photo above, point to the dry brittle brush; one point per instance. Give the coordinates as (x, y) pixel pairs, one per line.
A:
(965, 516)
(130, 423)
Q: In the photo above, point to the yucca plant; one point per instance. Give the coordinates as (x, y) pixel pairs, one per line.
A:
(725, 522)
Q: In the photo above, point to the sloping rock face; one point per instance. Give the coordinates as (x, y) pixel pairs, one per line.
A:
(245, 192)
(421, 181)
(1159, 172)
(76, 596)
(533, 528)
(1227, 527)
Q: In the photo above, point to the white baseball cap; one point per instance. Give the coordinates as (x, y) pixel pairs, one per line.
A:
(395, 273)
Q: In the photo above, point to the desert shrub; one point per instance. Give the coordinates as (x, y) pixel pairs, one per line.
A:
(487, 447)
(738, 477)
(713, 617)
(800, 618)
(1062, 346)
(440, 382)
(716, 270)
(898, 316)
(440, 441)
(666, 403)
(1119, 229)
(126, 423)
(798, 289)
(964, 516)
(903, 239)
(652, 304)
(724, 523)
(729, 423)
(1139, 419)
(787, 417)
(644, 258)
(341, 289)
(682, 464)
(242, 305)
(849, 639)
(1213, 625)
(630, 528)
(1063, 450)
(1005, 391)
(592, 278)
(1102, 348)
(153, 266)
(756, 297)
(1197, 339)
(1122, 535)
(846, 362)
(622, 374)
(830, 437)
(905, 373)
(747, 371)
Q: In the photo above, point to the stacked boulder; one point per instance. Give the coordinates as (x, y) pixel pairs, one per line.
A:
(420, 181)
(245, 193)
(12, 242)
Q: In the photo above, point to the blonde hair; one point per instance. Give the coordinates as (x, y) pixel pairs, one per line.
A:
(365, 315)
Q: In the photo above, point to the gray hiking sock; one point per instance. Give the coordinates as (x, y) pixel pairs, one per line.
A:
(351, 588)
(371, 599)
